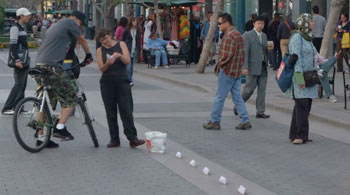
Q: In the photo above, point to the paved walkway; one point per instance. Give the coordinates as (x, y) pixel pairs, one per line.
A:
(322, 109)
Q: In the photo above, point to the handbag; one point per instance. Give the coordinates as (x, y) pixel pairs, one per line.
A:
(23, 57)
(345, 41)
(311, 77)
(284, 75)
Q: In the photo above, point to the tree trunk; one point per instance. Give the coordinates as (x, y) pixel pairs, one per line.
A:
(128, 9)
(336, 7)
(109, 15)
(208, 41)
(208, 7)
(159, 27)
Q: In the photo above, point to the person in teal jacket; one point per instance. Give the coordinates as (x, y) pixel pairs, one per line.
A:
(301, 45)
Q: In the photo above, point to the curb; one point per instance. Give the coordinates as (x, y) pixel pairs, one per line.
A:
(199, 88)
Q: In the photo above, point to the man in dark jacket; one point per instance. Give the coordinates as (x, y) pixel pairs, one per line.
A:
(18, 39)
(283, 34)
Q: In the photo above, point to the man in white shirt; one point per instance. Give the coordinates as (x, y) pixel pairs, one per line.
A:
(319, 28)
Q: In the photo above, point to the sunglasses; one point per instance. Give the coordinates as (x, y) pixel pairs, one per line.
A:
(219, 23)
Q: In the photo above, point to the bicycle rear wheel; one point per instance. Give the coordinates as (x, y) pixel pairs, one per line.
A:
(28, 122)
(88, 122)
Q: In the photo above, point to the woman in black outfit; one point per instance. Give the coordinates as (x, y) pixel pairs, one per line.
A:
(112, 59)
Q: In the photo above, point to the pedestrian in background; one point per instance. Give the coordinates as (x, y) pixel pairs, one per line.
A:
(123, 22)
(148, 26)
(342, 27)
(229, 71)
(276, 55)
(319, 28)
(301, 45)
(255, 65)
(250, 24)
(204, 34)
(131, 37)
(112, 58)
(283, 34)
(18, 40)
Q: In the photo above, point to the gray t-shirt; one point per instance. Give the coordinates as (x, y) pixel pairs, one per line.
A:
(53, 49)
(320, 25)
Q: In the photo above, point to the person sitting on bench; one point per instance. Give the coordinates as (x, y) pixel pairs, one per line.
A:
(156, 46)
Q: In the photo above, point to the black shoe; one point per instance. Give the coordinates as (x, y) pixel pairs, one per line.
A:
(63, 134)
(264, 116)
(235, 111)
(51, 144)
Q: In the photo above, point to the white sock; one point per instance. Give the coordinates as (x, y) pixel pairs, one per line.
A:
(60, 126)
(41, 138)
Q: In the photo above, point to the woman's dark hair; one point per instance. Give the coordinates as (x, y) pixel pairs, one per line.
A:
(131, 20)
(345, 14)
(103, 32)
(226, 18)
(123, 22)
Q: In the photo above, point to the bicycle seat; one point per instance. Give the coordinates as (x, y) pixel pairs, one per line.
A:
(37, 71)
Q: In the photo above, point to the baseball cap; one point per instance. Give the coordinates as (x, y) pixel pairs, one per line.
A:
(79, 15)
(23, 12)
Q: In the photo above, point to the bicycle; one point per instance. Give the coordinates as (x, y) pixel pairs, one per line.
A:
(35, 114)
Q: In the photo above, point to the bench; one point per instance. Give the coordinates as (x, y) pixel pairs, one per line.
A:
(184, 55)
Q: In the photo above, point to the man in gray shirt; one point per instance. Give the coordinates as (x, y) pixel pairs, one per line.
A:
(319, 28)
(51, 55)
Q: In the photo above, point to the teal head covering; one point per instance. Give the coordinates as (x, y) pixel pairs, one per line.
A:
(302, 25)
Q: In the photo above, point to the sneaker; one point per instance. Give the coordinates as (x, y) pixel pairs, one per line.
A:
(244, 126)
(51, 144)
(320, 73)
(131, 84)
(333, 99)
(8, 112)
(211, 126)
(298, 141)
(62, 134)
(155, 67)
(166, 67)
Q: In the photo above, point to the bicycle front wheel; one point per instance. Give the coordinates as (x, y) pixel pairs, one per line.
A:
(29, 124)
(88, 122)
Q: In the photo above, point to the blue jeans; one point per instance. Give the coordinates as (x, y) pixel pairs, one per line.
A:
(325, 80)
(161, 54)
(224, 86)
(130, 69)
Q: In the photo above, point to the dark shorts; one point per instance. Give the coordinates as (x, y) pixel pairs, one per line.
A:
(62, 89)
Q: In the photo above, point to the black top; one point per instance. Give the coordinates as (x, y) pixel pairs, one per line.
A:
(272, 35)
(118, 68)
(346, 27)
(283, 31)
(127, 38)
(249, 25)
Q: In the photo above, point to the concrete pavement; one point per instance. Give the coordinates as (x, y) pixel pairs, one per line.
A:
(322, 110)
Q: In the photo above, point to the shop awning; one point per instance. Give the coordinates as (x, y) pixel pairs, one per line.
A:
(63, 12)
(169, 2)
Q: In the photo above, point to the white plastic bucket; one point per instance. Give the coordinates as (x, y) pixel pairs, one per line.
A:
(155, 141)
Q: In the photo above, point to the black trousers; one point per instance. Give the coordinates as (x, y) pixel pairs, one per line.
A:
(317, 43)
(116, 94)
(299, 128)
(17, 92)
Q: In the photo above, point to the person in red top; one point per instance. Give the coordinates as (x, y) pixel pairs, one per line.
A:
(229, 71)
(123, 22)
